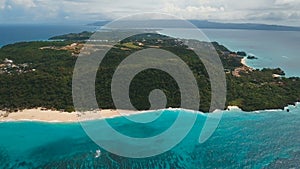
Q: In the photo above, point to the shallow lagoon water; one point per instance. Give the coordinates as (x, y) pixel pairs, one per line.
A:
(265, 139)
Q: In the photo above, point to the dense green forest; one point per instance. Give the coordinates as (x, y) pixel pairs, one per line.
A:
(47, 79)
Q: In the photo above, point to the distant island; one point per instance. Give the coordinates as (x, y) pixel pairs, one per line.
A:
(250, 57)
(39, 74)
(204, 24)
(73, 36)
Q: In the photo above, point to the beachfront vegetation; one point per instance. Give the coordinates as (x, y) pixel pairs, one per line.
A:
(50, 84)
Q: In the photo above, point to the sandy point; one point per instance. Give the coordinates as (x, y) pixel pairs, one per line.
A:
(243, 61)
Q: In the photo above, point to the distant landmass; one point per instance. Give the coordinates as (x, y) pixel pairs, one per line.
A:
(203, 24)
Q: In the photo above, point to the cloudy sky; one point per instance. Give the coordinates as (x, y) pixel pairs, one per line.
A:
(284, 12)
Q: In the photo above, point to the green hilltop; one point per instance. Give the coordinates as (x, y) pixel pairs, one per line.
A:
(39, 74)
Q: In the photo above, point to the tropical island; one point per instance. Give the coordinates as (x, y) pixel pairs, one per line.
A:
(39, 74)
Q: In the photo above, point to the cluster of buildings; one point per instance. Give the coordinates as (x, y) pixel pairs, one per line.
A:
(75, 48)
(8, 67)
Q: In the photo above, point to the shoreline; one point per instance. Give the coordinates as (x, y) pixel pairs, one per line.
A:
(50, 116)
(230, 108)
(243, 62)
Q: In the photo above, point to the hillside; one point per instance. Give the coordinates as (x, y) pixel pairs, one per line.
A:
(46, 81)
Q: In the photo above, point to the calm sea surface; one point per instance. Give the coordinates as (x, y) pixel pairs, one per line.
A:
(18, 33)
(273, 48)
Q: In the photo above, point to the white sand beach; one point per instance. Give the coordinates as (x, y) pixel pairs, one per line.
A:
(57, 116)
(243, 61)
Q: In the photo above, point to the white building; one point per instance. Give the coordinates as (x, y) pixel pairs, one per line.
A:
(7, 61)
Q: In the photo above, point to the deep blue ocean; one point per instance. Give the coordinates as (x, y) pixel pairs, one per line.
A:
(261, 139)
(19, 33)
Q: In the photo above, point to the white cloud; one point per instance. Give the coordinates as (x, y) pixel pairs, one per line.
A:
(193, 12)
(287, 2)
(275, 16)
(266, 11)
(263, 11)
(24, 3)
(2, 5)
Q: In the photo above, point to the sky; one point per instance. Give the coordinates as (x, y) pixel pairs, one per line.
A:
(280, 12)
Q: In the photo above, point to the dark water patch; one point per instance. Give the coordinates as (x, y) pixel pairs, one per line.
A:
(62, 148)
(168, 160)
(143, 130)
(291, 162)
(4, 158)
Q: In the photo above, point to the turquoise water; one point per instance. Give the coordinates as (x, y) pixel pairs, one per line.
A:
(273, 48)
(242, 140)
